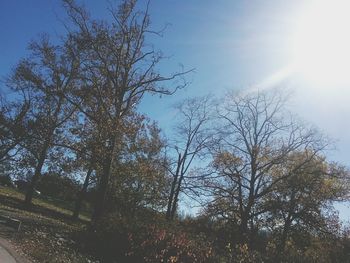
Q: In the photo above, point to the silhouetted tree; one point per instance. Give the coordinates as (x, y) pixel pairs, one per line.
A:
(191, 138)
(256, 136)
(12, 127)
(44, 78)
(118, 69)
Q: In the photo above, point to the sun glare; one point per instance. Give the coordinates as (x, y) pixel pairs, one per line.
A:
(321, 43)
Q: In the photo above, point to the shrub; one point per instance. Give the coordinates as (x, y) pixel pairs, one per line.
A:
(166, 245)
(6, 180)
(57, 186)
(121, 239)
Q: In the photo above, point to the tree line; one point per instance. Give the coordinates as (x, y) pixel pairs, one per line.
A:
(259, 176)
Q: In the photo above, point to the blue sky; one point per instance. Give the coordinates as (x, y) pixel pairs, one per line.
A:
(231, 44)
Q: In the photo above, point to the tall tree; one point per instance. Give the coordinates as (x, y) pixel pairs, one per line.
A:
(44, 78)
(192, 136)
(257, 135)
(119, 67)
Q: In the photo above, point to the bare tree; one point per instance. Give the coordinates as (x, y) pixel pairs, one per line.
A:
(192, 135)
(119, 67)
(256, 136)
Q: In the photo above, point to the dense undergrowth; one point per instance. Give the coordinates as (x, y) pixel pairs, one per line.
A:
(48, 234)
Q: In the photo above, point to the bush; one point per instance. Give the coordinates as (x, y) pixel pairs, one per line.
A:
(5, 180)
(167, 245)
(54, 185)
(121, 239)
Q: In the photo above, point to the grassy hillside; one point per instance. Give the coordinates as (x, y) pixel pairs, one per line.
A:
(47, 234)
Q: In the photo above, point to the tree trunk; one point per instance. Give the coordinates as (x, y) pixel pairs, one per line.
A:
(176, 197)
(171, 201)
(35, 178)
(81, 194)
(171, 198)
(243, 228)
(99, 208)
(287, 224)
(42, 156)
(282, 244)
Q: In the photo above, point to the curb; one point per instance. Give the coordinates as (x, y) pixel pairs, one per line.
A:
(9, 248)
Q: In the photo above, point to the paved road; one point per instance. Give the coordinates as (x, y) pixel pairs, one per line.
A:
(8, 254)
(5, 256)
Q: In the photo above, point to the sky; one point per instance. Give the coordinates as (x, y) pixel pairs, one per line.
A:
(230, 45)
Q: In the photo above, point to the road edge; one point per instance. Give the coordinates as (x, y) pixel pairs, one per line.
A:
(9, 248)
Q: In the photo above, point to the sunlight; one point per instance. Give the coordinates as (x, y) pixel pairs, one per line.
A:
(321, 43)
(275, 79)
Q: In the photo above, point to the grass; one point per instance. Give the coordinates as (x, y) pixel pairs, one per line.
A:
(47, 233)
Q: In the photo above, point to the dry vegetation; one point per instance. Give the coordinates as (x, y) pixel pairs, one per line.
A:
(72, 129)
(47, 233)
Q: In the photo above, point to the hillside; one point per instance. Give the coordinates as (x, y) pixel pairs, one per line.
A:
(47, 233)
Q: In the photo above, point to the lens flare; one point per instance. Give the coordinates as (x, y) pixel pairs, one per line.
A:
(321, 43)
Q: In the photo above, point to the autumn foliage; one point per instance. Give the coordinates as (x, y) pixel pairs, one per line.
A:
(256, 181)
